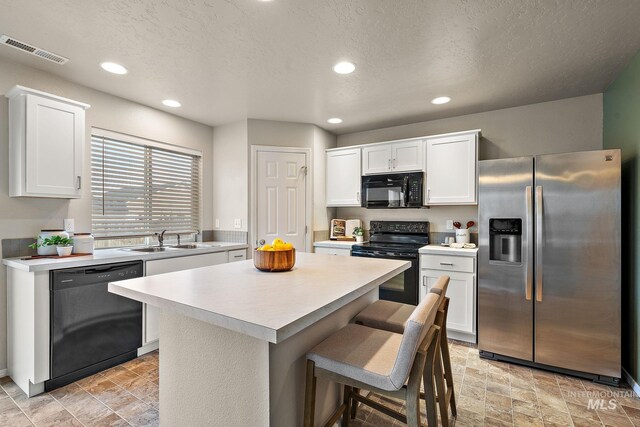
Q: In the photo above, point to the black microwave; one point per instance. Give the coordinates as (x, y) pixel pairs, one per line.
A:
(392, 191)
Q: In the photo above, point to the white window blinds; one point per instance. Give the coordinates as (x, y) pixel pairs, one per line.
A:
(139, 189)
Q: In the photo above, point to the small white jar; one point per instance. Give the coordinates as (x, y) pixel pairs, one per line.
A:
(83, 243)
(49, 250)
(462, 235)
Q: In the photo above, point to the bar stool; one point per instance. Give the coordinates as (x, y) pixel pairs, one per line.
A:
(384, 362)
(392, 316)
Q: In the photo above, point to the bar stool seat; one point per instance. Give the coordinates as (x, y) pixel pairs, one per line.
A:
(385, 362)
(392, 316)
(349, 352)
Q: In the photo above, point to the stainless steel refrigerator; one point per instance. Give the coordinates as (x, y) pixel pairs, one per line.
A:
(549, 262)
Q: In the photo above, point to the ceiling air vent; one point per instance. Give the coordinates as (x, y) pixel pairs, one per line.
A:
(9, 41)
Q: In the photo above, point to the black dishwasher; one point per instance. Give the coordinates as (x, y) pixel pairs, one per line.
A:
(91, 329)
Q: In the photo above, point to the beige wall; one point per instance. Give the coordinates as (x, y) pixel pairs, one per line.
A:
(231, 175)
(573, 124)
(24, 217)
(232, 159)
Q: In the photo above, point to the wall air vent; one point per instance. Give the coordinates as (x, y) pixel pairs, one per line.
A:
(49, 56)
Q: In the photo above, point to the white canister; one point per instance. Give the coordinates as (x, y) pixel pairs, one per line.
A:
(83, 243)
(49, 250)
(462, 235)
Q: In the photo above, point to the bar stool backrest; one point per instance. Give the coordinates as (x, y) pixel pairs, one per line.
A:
(415, 330)
(440, 287)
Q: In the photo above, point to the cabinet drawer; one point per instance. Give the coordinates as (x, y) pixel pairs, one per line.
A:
(237, 255)
(448, 263)
(333, 251)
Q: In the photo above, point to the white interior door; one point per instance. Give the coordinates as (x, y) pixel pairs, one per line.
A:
(281, 197)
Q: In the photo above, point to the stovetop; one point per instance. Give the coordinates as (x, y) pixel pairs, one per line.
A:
(407, 236)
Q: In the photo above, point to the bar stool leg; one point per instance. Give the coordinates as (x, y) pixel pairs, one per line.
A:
(310, 395)
(442, 392)
(354, 405)
(346, 399)
(446, 364)
(428, 376)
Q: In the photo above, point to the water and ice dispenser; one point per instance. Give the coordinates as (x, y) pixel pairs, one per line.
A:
(505, 239)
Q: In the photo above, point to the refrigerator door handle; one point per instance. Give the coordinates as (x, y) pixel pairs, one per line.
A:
(529, 219)
(539, 225)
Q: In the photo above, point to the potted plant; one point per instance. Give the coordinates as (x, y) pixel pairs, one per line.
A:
(64, 245)
(359, 233)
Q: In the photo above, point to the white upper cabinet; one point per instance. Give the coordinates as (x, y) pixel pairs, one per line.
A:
(343, 177)
(46, 141)
(376, 159)
(401, 156)
(451, 173)
(407, 156)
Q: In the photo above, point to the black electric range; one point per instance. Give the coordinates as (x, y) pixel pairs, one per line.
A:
(397, 240)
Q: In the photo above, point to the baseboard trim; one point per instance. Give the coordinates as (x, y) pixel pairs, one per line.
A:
(149, 347)
(629, 379)
(3, 373)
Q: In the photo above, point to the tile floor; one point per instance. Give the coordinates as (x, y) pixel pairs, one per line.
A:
(126, 395)
(488, 393)
(499, 394)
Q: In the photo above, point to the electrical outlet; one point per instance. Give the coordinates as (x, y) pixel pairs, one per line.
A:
(237, 223)
(449, 224)
(69, 225)
(217, 222)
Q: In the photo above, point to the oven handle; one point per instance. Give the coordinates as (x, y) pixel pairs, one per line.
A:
(378, 254)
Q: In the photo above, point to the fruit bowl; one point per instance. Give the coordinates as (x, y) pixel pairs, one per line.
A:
(282, 260)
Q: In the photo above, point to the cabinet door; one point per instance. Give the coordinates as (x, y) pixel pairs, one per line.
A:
(462, 298)
(343, 177)
(376, 159)
(54, 144)
(407, 156)
(451, 170)
(150, 331)
(334, 251)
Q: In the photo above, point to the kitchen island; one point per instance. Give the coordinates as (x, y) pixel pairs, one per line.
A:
(233, 339)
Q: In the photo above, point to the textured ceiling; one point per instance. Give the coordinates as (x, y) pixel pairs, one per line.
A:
(226, 60)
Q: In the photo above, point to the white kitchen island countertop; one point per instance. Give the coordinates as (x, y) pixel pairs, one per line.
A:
(267, 306)
(236, 338)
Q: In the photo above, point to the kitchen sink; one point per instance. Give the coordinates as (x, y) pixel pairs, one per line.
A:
(149, 249)
(187, 246)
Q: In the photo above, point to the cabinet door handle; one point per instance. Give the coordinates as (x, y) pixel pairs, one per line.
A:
(447, 263)
(358, 196)
(428, 194)
(238, 256)
(78, 182)
(424, 281)
(395, 163)
(389, 164)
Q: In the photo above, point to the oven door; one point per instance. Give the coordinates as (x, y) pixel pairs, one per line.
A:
(403, 287)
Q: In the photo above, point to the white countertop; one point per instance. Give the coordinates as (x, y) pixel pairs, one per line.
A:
(102, 256)
(340, 244)
(267, 306)
(445, 250)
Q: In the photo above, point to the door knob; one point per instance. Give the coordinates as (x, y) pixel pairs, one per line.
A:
(262, 242)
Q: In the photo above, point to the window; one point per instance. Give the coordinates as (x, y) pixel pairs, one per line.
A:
(141, 187)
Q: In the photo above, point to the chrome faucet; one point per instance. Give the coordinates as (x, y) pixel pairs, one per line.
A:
(161, 237)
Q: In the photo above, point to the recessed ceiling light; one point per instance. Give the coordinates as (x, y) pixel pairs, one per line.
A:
(334, 121)
(171, 103)
(114, 68)
(440, 100)
(344, 68)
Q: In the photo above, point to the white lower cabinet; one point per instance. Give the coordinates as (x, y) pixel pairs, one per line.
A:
(461, 318)
(151, 315)
(334, 251)
(237, 255)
